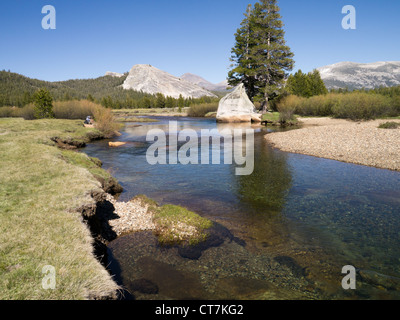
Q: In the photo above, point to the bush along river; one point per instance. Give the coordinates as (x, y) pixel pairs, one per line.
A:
(283, 232)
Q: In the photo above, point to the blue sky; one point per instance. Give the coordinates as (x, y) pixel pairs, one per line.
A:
(179, 36)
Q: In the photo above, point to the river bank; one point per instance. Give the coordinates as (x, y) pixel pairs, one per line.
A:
(49, 197)
(347, 141)
(60, 211)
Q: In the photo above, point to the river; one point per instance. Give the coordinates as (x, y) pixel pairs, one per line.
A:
(296, 221)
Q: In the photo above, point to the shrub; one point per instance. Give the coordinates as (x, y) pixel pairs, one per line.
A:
(395, 106)
(7, 112)
(361, 106)
(200, 110)
(105, 122)
(389, 125)
(75, 109)
(320, 105)
(355, 105)
(287, 108)
(290, 102)
(27, 112)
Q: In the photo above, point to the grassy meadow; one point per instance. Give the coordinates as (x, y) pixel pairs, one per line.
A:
(39, 192)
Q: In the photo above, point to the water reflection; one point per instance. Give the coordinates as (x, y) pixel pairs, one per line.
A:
(265, 189)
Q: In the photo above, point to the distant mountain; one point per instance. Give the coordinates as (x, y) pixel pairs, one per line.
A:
(114, 74)
(148, 79)
(201, 82)
(361, 75)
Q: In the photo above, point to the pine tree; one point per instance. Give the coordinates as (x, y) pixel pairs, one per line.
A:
(241, 58)
(160, 100)
(261, 57)
(317, 85)
(306, 85)
(90, 98)
(298, 84)
(43, 102)
(181, 103)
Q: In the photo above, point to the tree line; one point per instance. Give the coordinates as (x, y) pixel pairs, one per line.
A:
(18, 90)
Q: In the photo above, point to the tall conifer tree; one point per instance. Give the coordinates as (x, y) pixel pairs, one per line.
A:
(261, 58)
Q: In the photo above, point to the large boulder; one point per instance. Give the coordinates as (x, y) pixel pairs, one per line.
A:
(237, 107)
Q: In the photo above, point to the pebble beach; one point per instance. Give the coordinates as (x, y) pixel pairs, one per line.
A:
(343, 140)
(133, 216)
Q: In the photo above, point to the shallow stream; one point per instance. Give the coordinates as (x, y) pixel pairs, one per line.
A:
(287, 230)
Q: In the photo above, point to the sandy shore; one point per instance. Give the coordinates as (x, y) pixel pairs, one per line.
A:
(348, 141)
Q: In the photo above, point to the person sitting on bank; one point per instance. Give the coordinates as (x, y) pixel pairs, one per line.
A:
(88, 120)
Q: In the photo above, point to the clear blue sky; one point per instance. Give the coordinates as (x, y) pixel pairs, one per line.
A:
(179, 36)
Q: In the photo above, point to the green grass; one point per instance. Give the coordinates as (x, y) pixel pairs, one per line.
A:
(271, 117)
(178, 225)
(93, 165)
(146, 201)
(39, 192)
(275, 118)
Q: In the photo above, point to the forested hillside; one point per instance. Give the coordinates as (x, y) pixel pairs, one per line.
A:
(18, 90)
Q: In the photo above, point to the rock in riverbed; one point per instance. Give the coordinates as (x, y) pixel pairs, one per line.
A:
(116, 144)
(237, 107)
(378, 279)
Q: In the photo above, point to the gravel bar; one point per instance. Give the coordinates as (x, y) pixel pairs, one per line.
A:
(347, 141)
(133, 217)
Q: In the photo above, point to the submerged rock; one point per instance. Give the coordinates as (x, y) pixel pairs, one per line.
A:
(216, 237)
(289, 262)
(379, 279)
(237, 107)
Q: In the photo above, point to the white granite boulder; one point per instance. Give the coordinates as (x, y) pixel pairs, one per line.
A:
(237, 107)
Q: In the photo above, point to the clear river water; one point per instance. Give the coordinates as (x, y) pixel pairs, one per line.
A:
(292, 225)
